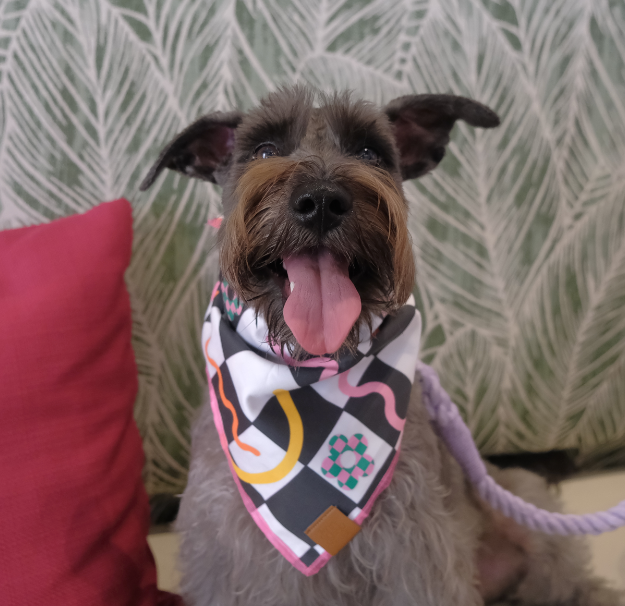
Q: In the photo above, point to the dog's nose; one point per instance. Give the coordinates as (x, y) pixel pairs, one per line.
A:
(320, 206)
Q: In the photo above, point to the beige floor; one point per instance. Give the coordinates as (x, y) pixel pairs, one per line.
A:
(580, 496)
(595, 494)
(164, 546)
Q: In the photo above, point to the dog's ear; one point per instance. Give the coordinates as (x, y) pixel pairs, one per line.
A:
(202, 150)
(422, 124)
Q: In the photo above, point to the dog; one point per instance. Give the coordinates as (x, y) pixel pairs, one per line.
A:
(314, 242)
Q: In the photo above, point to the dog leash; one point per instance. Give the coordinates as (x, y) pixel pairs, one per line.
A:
(457, 436)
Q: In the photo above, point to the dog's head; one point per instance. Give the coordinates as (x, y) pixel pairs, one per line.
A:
(315, 233)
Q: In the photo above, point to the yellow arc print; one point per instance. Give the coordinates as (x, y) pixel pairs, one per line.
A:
(296, 441)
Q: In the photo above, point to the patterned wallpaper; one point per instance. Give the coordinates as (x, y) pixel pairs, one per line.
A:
(520, 232)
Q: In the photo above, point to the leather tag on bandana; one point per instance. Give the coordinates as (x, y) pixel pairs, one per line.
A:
(332, 530)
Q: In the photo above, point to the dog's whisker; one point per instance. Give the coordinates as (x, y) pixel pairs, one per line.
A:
(251, 299)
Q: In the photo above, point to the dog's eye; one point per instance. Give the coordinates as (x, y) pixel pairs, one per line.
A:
(266, 150)
(369, 155)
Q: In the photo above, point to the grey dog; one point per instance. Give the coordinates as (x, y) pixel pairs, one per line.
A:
(304, 170)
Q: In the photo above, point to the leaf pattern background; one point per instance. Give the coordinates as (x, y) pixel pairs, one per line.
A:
(520, 232)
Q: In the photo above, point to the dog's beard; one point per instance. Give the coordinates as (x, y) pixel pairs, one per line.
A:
(372, 242)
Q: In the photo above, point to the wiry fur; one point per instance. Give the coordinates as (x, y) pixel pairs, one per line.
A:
(417, 548)
(374, 239)
(429, 540)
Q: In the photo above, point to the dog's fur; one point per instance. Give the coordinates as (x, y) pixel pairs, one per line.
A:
(429, 539)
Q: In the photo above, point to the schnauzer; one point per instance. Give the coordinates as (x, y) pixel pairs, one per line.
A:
(317, 269)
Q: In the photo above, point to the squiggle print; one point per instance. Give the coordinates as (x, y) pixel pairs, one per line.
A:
(228, 404)
(374, 387)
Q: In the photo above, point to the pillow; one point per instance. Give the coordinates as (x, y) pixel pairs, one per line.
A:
(74, 513)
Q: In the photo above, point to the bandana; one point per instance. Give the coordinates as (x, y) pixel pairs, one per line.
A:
(308, 441)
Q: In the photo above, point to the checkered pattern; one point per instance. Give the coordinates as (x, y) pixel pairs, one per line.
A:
(348, 444)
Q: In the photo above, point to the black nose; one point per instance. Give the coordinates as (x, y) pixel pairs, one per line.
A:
(320, 206)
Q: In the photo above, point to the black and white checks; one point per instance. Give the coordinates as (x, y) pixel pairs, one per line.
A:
(301, 436)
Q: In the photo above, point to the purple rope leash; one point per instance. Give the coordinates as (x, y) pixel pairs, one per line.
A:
(456, 434)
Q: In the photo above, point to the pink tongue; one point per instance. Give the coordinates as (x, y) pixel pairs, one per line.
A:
(324, 303)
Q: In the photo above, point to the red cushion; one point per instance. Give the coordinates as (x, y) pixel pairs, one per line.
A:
(73, 510)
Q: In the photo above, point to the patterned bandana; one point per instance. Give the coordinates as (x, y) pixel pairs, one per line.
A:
(301, 436)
